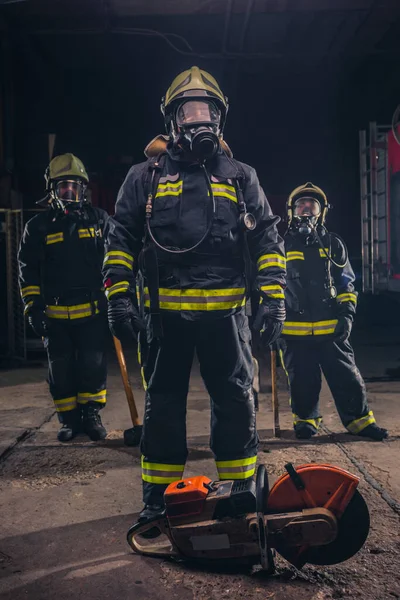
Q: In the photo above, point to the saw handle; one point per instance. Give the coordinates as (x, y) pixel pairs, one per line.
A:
(127, 385)
(275, 399)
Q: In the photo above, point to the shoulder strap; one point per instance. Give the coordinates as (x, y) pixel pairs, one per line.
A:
(151, 175)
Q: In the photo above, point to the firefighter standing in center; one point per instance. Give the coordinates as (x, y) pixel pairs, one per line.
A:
(60, 260)
(199, 212)
(320, 304)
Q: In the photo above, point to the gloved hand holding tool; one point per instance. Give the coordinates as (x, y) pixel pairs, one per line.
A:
(269, 319)
(123, 317)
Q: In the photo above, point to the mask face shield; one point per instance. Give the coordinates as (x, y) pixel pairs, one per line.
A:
(197, 112)
(197, 125)
(306, 212)
(306, 207)
(69, 190)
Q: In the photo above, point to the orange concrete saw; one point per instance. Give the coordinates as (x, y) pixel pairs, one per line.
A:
(312, 514)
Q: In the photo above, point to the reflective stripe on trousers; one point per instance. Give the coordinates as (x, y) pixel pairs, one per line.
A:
(242, 468)
(359, 424)
(314, 422)
(161, 473)
(85, 397)
(65, 404)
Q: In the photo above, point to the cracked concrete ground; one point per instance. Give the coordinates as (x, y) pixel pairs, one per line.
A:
(65, 509)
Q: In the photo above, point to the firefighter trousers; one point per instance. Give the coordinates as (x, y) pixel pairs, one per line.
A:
(223, 350)
(304, 360)
(76, 351)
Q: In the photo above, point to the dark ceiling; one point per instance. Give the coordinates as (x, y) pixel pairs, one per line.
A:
(302, 77)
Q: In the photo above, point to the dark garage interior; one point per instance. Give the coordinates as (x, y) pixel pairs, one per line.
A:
(302, 78)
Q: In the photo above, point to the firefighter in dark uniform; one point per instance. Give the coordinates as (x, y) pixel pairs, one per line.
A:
(191, 206)
(60, 260)
(320, 305)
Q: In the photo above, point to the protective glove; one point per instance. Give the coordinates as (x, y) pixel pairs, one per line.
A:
(343, 329)
(269, 319)
(123, 317)
(38, 320)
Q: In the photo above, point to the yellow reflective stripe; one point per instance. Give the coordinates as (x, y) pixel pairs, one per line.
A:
(161, 472)
(116, 261)
(241, 468)
(314, 422)
(169, 189)
(77, 311)
(119, 253)
(179, 293)
(359, 424)
(53, 238)
(225, 195)
(169, 193)
(271, 260)
(121, 286)
(171, 184)
(324, 327)
(307, 328)
(30, 290)
(224, 186)
(118, 257)
(65, 404)
(274, 291)
(292, 255)
(227, 191)
(198, 299)
(297, 328)
(85, 397)
(347, 297)
(209, 306)
(324, 252)
(161, 466)
(240, 462)
(86, 233)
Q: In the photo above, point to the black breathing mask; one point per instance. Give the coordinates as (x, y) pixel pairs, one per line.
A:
(197, 128)
(306, 212)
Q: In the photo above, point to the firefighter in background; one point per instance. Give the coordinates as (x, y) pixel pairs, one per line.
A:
(321, 305)
(60, 260)
(186, 204)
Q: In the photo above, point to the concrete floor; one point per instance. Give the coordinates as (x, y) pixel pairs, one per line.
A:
(65, 509)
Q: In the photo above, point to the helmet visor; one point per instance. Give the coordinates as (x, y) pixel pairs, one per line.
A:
(306, 207)
(195, 112)
(69, 190)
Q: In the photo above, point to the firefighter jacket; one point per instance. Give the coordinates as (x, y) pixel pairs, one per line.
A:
(209, 281)
(312, 280)
(60, 259)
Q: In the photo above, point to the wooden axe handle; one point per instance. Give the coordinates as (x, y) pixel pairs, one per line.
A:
(275, 399)
(127, 384)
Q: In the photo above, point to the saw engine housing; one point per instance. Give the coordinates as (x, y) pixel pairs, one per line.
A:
(313, 513)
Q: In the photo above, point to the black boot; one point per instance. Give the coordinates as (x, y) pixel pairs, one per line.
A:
(304, 431)
(71, 425)
(374, 432)
(150, 511)
(92, 424)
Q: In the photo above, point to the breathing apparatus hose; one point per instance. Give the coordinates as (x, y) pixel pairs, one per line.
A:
(327, 254)
(207, 232)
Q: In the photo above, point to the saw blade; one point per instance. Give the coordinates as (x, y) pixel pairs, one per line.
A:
(353, 529)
